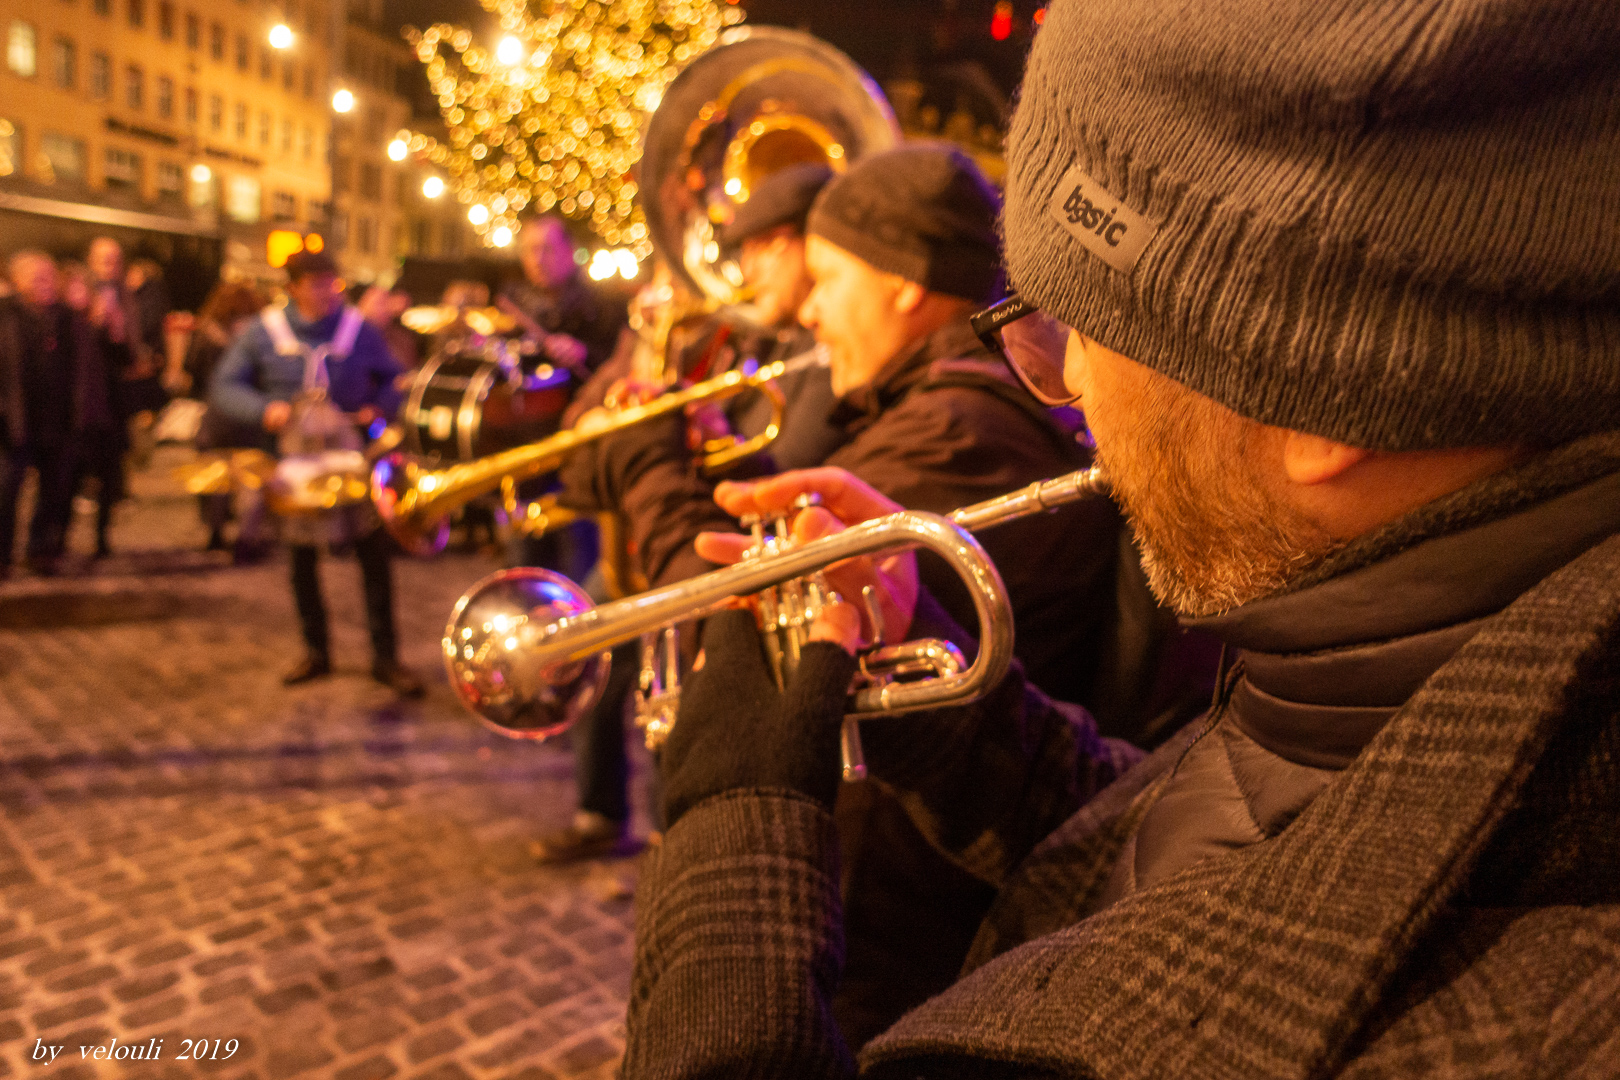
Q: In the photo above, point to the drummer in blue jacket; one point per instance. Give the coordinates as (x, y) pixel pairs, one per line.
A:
(318, 340)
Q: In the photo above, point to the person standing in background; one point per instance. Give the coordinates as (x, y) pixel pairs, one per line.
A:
(263, 376)
(53, 394)
(229, 310)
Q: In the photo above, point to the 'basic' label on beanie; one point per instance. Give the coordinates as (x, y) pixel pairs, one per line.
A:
(1106, 227)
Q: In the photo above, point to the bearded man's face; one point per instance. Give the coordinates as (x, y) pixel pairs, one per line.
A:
(1200, 484)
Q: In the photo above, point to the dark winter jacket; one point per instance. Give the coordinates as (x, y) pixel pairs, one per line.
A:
(88, 406)
(1445, 901)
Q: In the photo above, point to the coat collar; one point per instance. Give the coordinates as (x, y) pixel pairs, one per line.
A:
(1266, 963)
(859, 408)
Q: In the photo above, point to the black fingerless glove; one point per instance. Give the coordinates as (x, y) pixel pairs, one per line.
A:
(736, 730)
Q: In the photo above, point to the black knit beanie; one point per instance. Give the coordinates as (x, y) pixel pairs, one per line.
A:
(1394, 223)
(783, 198)
(923, 211)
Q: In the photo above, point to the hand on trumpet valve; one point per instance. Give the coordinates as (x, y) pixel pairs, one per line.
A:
(845, 500)
(737, 730)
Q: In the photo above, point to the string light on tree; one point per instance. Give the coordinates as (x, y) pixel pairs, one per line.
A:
(549, 119)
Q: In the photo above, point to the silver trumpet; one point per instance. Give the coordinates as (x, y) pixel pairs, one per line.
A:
(528, 653)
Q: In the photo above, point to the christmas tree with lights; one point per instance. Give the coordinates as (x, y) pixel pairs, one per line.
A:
(550, 119)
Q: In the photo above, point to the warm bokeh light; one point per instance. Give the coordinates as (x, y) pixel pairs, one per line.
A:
(550, 119)
(397, 150)
(479, 214)
(509, 51)
(281, 36)
(201, 174)
(433, 187)
(343, 101)
(501, 237)
(281, 245)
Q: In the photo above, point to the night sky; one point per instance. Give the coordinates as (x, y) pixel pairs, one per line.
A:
(890, 38)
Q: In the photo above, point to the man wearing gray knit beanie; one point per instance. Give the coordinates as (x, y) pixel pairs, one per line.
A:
(1338, 286)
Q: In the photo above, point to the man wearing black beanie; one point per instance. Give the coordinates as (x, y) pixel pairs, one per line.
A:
(901, 250)
(1339, 287)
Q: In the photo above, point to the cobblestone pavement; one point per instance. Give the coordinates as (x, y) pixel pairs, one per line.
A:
(333, 879)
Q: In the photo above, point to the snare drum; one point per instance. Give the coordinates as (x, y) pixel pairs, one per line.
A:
(464, 406)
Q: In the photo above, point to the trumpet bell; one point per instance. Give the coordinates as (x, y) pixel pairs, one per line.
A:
(490, 656)
(394, 491)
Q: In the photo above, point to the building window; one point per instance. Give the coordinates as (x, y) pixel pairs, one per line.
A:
(103, 7)
(309, 81)
(134, 87)
(308, 140)
(166, 20)
(193, 31)
(340, 176)
(137, 13)
(289, 76)
(264, 129)
(165, 97)
(216, 41)
(286, 135)
(366, 236)
(241, 120)
(420, 237)
(402, 188)
(451, 239)
(267, 65)
(123, 167)
(191, 105)
(10, 148)
(64, 156)
(20, 56)
(101, 76)
(370, 181)
(171, 178)
(242, 199)
(216, 113)
(286, 206)
(242, 52)
(65, 62)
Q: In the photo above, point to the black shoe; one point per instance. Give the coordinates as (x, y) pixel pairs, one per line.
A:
(401, 680)
(313, 666)
(591, 836)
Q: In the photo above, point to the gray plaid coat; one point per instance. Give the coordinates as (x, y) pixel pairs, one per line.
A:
(1450, 904)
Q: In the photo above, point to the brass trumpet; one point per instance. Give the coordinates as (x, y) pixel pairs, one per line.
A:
(416, 503)
(528, 654)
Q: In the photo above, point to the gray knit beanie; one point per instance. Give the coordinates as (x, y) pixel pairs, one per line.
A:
(924, 211)
(1394, 223)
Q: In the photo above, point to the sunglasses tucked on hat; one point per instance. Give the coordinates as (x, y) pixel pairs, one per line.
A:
(1393, 224)
(924, 212)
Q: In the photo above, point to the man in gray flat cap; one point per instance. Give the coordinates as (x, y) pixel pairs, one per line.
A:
(1339, 288)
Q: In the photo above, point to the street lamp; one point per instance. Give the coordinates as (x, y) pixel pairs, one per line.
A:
(479, 214)
(281, 36)
(343, 101)
(201, 174)
(433, 187)
(397, 150)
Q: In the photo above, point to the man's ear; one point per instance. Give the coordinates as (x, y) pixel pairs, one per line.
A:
(909, 297)
(1312, 459)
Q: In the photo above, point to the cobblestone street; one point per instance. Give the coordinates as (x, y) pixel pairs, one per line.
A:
(337, 881)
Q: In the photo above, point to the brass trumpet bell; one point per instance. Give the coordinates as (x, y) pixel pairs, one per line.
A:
(489, 652)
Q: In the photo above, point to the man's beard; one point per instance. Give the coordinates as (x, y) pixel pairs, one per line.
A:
(1213, 537)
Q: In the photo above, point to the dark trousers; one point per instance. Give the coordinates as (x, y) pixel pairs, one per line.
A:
(377, 574)
(601, 764)
(103, 458)
(53, 507)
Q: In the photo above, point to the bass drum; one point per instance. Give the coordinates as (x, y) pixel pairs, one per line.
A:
(466, 406)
